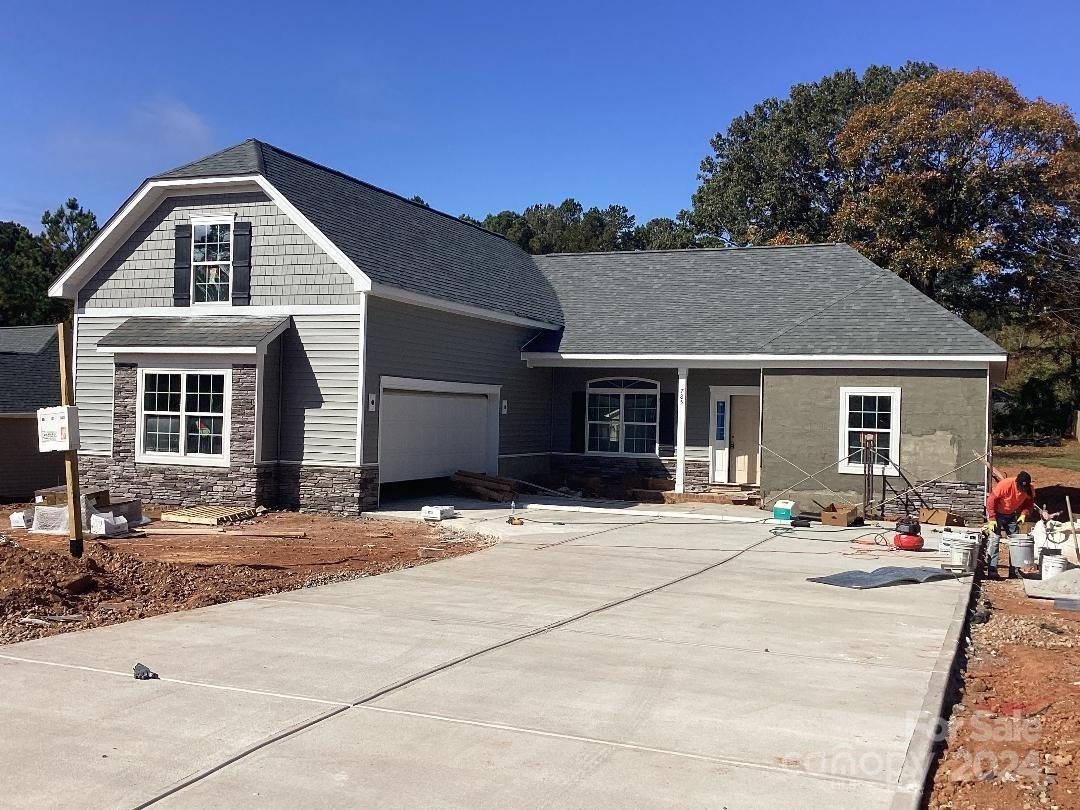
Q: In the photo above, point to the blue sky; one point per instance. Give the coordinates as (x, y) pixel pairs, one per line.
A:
(477, 107)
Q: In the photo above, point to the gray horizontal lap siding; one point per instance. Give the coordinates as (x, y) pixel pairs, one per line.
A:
(320, 359)
(409, 341)
(94, 385)
(287, 267)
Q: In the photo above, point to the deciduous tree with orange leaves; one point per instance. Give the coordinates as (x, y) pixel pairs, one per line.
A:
(964, 188)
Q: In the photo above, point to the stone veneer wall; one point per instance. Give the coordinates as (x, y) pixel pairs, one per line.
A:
(611, 470)
(341, 490)
(964, 498)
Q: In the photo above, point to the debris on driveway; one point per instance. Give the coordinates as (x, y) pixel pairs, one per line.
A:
(881, 577)
(144, 673)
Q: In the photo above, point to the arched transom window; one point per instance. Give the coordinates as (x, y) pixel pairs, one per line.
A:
(622, 416)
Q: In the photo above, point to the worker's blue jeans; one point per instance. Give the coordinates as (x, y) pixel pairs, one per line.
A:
(1011, 526)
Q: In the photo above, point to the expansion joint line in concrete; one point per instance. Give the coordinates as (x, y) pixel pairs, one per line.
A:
(404, 682)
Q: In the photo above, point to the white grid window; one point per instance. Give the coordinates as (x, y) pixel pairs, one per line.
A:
(872, 413)
(183, 415)
(621, 416)
(211, 261)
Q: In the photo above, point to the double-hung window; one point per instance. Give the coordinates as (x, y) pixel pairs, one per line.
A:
(183, 417)
(869, 418)
(211, 260)
(622, 416)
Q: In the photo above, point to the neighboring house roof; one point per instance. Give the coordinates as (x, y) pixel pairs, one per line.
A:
(221, 331)
(29, 368)
(806, 299)
(392, 240)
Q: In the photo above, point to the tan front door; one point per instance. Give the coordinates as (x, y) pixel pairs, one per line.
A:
(744, 438)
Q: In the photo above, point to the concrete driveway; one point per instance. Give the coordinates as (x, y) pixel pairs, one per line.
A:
(613, 660)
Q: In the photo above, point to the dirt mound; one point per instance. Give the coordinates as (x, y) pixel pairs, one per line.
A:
(130, 578)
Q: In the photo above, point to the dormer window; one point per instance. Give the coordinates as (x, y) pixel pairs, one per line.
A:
(211, 260)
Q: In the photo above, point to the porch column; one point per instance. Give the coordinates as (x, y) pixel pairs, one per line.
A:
(680, 434)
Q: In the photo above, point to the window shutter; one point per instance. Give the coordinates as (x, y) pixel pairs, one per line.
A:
(577, 422)
(669, 415)
(182, 266)
(241, 264)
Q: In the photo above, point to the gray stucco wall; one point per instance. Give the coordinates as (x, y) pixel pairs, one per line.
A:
(286, 266)
(942, 421)
(410, 341)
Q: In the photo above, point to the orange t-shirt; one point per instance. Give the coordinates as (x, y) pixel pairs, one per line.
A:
(1006, 498)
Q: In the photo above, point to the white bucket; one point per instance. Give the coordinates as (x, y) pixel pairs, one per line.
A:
(1021, 550)
(963, 552)
(1053, 564)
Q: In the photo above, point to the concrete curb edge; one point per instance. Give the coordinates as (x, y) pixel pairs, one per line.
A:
(912, 782)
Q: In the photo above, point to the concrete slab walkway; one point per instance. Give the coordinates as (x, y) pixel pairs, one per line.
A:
(583, 661)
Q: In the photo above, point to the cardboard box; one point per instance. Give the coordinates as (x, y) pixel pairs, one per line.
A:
(939, 517)
(839, 514)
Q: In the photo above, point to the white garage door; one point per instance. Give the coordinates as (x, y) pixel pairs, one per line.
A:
(430, 435)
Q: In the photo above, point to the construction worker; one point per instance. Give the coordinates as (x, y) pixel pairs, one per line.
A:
(1009, 504)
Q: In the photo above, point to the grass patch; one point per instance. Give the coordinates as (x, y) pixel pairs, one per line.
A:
(1066, 457)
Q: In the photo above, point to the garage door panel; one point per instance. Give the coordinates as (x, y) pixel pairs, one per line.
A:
(430, 435)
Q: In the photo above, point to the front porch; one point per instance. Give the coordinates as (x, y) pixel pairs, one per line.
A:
(655, 433)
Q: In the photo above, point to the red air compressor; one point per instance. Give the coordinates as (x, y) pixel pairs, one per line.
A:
(908, 535)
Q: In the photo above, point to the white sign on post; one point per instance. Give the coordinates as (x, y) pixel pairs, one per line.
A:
(58, 428)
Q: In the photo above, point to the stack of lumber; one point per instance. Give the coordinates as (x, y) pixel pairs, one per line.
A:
(488, 487)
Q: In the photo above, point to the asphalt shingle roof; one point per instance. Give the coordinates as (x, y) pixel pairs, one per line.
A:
(393, 240)
(807, 299)
(29, 368)
(206, 330)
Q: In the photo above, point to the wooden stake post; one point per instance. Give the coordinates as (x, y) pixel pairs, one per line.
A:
(71, 457)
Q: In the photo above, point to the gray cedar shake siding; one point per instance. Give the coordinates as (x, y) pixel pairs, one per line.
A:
(410, 341)
(286, 266)
(942, 422)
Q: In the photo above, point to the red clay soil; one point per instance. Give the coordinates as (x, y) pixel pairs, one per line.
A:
(130, 578)
(1014, 737)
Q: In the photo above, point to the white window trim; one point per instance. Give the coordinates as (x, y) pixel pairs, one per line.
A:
(217, 219)
(622, 392)
(179, 459)
(845, 466)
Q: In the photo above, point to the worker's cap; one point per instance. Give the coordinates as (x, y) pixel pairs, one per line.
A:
(1023, 480)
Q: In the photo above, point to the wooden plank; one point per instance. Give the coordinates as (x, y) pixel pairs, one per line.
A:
(207, 515)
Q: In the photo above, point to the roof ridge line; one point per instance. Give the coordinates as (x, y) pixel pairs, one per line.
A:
(732, 248)
(207, 157)
(381, 190)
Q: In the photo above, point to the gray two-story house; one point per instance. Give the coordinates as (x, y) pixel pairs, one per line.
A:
(254, 328)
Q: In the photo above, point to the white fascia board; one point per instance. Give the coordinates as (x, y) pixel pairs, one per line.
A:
(179, 350)
(959, 361)
(430, 302)
(152, 192)
(253, 311)
(124, 222)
